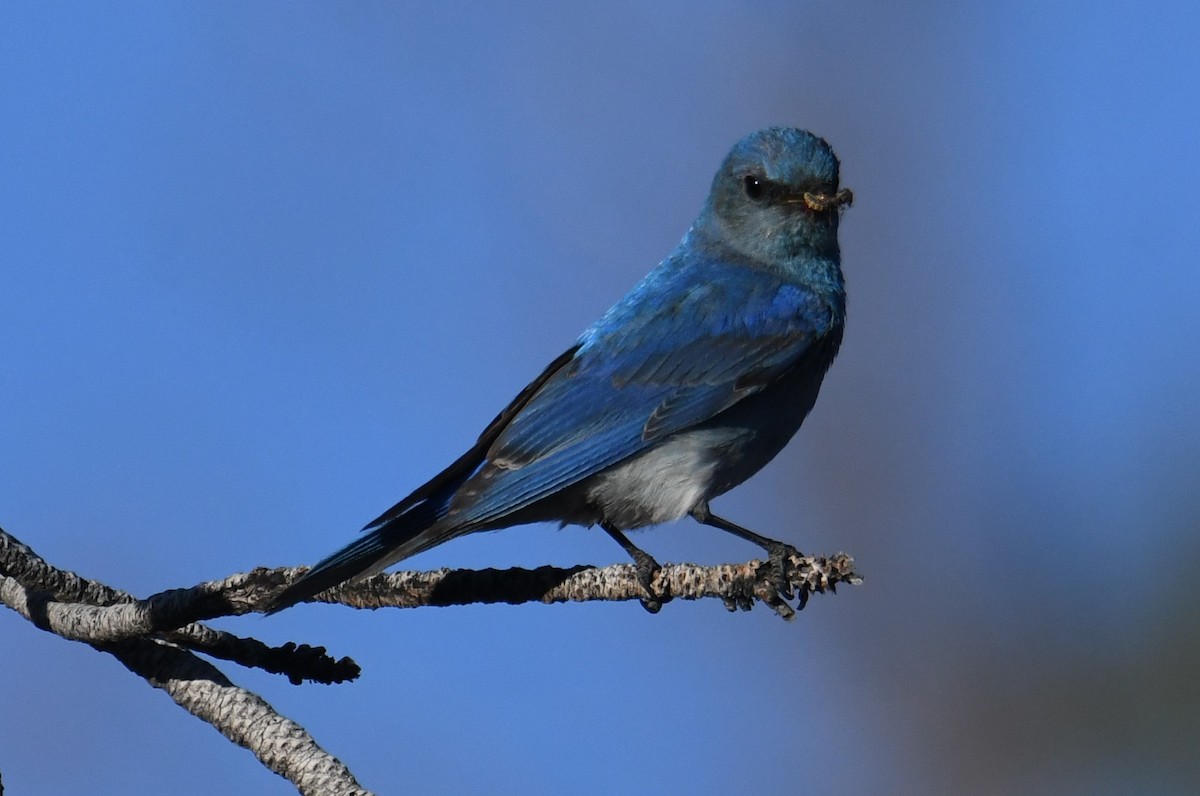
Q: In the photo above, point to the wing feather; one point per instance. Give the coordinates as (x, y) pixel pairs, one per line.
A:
(676, 358)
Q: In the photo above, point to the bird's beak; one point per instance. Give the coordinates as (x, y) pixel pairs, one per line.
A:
(822, 202)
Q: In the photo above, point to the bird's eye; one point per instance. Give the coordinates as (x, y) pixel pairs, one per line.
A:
(756, 188)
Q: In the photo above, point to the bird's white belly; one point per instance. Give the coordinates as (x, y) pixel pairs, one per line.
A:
(663, 483)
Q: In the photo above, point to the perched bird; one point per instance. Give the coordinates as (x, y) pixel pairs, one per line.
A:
(685, 388)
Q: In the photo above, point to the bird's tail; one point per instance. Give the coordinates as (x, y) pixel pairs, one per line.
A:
(384, 545)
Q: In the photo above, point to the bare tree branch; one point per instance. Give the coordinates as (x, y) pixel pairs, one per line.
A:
(737, 585)
(240, 715)
(197, 686)
(68, 605)
(156, 637)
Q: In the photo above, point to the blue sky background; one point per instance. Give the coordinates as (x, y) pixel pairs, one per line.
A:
(267, 267)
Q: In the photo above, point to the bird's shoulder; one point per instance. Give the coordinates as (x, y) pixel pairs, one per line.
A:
(694, 337)
(700, 300)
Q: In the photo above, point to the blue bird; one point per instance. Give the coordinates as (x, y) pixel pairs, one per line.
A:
(685, 388)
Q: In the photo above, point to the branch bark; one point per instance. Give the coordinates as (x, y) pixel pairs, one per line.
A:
(243, 717)
(34, 589)
(157, 637)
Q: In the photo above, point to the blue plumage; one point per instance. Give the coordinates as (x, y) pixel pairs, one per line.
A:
(682, 390)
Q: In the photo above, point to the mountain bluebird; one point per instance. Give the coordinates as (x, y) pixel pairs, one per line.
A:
(684, 389)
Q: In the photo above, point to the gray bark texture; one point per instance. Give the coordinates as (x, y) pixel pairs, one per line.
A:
(157, 638)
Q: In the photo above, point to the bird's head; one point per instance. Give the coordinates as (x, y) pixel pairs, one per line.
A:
(776, 196)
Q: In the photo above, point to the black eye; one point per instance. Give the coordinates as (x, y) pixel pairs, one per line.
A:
(756, 188)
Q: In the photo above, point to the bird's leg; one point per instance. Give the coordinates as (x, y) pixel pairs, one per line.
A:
(644, 564)
(778, 552)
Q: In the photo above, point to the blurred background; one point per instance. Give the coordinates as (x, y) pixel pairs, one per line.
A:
(265, 268)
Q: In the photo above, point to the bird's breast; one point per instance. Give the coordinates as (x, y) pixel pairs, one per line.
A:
(665, 482)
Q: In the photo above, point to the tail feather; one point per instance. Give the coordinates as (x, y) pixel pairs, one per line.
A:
(392, 541)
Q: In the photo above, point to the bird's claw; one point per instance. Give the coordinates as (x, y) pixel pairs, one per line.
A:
(772, 584)
(738, 601)
(776, 589)
(647, 570)
(781, 557)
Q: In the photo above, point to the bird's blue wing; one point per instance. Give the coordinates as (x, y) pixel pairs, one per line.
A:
(686, 344)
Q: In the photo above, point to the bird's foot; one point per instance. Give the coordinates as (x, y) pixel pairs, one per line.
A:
(647, 570)
(645, 566)
(781, 572)
(780, 558)
(774, 587)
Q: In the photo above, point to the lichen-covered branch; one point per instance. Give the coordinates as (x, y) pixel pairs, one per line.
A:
(243, 717)
(196, 685)
(156, 637)
(73, 607)
(737, 585)
(117, 616)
